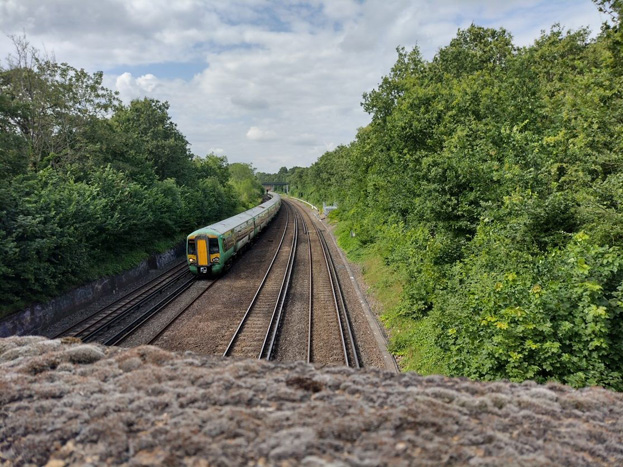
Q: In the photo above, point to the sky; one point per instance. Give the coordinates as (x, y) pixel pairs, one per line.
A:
(273, 83)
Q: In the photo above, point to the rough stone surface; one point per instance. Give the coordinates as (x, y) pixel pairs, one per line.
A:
(64, 403)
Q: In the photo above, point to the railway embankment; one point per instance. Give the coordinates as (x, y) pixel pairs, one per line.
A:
(36, 318)
(68, 403)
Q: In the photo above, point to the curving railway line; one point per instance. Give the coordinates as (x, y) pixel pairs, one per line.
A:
(262, 332)
(329, 326)
(282, 301)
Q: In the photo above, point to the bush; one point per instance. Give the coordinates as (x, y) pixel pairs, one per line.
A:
(508, 314)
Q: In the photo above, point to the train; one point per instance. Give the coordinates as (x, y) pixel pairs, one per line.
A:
(210, 248)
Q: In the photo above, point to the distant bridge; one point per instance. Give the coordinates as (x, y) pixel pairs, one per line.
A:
(270, 186)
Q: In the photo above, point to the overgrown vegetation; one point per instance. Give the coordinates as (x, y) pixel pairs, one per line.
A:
(490, 183)
(282, 176)
(90, 186)
(248, 188)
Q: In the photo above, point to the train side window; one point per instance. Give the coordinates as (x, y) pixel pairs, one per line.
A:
(192, 249)
(213, 246)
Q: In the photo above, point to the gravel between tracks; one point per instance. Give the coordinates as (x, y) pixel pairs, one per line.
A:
(207, 327)
(368, 344)
(292, 343)
(209, 324)
(85, 404)
(98, 304)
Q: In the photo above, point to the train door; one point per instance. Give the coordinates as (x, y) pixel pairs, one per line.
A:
(202, 252)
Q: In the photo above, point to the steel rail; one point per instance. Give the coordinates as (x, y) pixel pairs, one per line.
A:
(275, 321)
(338, 299)
(345, 322)
(129, 329)
(337, 310)
(133, 299)
(105, 322)
(126, 313)
(311, 294)
(257, 293)
(177, 315)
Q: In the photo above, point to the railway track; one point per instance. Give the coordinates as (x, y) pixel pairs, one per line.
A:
(172, 320)
(301, 287)
(131, 324)
(107, 324)
(256, 334)
(331, 339)
(166, 322)
(293, 331)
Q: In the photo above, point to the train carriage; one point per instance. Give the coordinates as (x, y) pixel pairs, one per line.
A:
(208, 249)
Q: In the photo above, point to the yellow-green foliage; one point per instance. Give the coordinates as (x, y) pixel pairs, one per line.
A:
(488, 185)
(411, 341)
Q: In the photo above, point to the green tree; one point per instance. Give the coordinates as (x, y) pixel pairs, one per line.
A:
(13, 146)
(51, 104)
(212, 166)
(156, 138)
(87, 194)
(489, 183)
(246, 185)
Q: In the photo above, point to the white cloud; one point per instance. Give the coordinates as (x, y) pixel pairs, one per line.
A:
(286, 74)
(132, 88)
(257, 134)
(147, 82)
(126, 85)
(250, 103)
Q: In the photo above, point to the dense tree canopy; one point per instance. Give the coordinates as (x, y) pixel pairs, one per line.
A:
(245, 183)
(155, 137)
(490, 182)
(90, 186)
(50, 105)
(282, 176)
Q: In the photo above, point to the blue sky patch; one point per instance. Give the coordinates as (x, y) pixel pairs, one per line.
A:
(167, 70)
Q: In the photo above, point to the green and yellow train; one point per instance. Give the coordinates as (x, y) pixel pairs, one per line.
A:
(208, 249)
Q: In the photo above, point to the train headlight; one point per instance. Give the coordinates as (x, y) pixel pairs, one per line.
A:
(191, 260)
(216, 260)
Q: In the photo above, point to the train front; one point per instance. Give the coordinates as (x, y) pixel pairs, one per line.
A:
(203, 253)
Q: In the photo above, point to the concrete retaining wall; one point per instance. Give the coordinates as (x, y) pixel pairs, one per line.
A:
(38, 317)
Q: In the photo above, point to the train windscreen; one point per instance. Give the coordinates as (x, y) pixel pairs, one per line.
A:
(213, 246)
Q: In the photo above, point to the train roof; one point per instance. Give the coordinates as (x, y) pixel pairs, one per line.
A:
(227, 224)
